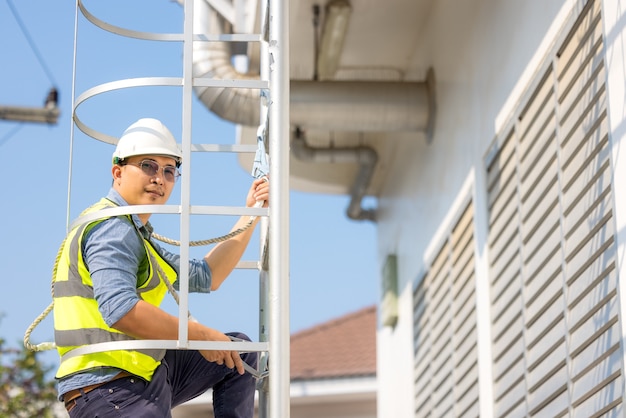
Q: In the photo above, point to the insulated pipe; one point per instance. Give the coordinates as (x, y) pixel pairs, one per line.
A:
(359, 106)
(213, 60)
(366, 157)
(363, 106)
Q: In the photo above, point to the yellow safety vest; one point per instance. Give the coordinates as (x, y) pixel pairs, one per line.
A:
(77, 320)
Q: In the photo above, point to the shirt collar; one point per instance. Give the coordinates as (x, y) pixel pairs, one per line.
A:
(115, 197)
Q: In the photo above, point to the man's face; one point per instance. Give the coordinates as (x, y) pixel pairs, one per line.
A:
(139, 184)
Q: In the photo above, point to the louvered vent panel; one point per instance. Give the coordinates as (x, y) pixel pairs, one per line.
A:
(464, 341)
(556, 331)
(446, 358)
(541, 242)
(505, 280)
(441, 348)
(421, 344)
(425, 321)
(597, 381)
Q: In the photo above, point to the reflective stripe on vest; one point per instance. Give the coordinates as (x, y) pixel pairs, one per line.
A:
(77, 320)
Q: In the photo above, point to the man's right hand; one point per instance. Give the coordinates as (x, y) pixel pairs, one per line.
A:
(230, 359)
(145, 321)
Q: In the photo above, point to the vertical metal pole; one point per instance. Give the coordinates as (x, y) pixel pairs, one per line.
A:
(183, 308)
(263, 334)
(72, 125)
(263, 385)
(279, 208)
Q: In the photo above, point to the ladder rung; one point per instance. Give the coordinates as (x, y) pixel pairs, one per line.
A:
(233, 37)
(225, 345)
(167, 345)
(230, 83)
(228, 210)
(124, 210)
(249, 264)
(240, 148)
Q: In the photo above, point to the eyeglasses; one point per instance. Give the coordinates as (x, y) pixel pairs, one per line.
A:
(151, 168)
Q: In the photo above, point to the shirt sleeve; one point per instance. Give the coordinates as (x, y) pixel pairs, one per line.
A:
(199, 271)
(113, 253)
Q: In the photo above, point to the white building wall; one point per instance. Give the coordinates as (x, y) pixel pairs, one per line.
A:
(479, 51)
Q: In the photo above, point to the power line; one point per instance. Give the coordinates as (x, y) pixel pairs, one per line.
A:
(49, 113)
(10, 134)
(31, 43)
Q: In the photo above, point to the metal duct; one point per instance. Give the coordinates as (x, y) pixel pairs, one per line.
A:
(213, 60)
(359, 106)
(363, 106)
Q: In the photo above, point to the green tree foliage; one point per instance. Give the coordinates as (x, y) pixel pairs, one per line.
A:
(25, 389)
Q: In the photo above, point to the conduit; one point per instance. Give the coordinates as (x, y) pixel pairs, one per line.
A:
(366, 157)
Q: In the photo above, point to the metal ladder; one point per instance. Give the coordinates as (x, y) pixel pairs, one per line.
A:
(273, 387)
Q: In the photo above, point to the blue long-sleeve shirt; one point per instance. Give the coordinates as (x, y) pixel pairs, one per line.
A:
(115, 257)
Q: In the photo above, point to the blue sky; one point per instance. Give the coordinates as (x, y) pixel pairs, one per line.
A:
(333, 259)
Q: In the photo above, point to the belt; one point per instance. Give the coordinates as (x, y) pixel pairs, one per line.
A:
(69, 398)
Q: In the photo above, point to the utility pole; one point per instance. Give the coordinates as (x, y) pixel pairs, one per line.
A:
(49, 113)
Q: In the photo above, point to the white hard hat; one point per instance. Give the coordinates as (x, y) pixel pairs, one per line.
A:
(147, 136)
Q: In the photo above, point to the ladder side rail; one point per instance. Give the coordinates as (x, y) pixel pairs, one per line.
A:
(279, 383)
(263, 385)
(264, 286)
(185, 189)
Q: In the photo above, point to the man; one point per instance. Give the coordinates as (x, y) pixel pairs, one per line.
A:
(109, 282)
